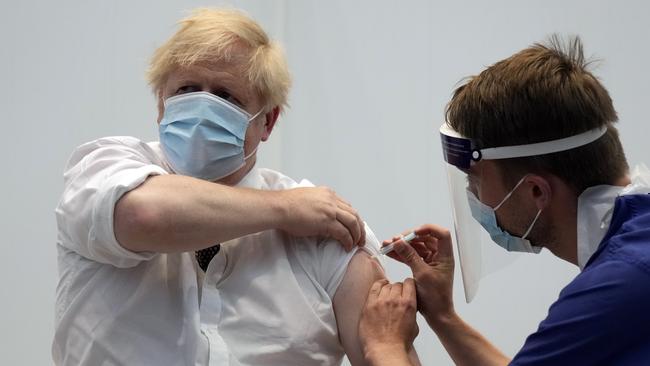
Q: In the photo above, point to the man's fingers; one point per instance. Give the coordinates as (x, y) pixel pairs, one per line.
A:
(351, 224)
(339, 232)
(361, 238)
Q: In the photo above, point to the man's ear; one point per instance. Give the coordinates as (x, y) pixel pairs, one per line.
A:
(540, 190)
(161, 106)
(269, 123)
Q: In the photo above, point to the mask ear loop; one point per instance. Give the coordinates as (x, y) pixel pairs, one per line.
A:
(251, 153)
(256, 115)
(249, 120)
(510, 193)
(530, 228)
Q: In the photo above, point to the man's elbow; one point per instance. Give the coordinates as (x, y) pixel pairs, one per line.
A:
(136, 222)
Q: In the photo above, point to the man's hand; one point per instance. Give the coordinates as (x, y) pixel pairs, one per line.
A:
(430, 256)
(319, 211)
(387, 327)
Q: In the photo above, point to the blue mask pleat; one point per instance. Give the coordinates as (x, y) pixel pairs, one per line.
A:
(203, 138)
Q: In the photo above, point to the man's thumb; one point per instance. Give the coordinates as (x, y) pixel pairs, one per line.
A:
(409, 256)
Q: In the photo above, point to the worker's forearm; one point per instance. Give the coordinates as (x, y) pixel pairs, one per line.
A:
(389, 355)
(465, 345)
(174, 213)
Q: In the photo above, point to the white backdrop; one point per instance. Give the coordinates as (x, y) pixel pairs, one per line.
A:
(371, 82)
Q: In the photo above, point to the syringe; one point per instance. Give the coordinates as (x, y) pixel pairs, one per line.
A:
(390, 247)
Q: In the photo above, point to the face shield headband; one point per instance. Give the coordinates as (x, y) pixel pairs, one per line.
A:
(461, 152)
(478, 255)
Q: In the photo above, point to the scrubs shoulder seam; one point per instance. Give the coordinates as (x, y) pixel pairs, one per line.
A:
(626, 258)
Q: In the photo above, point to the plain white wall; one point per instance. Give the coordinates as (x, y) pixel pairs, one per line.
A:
(371, 82)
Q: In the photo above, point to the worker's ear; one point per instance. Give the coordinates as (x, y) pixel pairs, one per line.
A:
(270, 119)
(539, 189)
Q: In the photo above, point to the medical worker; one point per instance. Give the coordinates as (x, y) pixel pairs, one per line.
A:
(535, 159)
(182, 251)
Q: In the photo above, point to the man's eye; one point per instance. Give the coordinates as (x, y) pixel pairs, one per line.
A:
(223, 94)
(187, 89)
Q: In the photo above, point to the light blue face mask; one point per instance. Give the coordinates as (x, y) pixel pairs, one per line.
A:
(202, 135)
(486, 216)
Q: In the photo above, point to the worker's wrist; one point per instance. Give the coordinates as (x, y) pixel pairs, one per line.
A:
(442, 320)
(384, 354)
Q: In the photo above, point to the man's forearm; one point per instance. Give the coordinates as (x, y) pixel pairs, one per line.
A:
(465, 345)
(174, 213)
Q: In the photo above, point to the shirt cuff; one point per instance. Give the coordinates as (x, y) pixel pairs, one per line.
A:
(104, 246)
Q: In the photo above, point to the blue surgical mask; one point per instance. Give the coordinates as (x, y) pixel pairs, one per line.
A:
(486, 216)
(202, 135)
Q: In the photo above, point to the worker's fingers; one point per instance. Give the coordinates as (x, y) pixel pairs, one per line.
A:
(396, 290)
(395, 256)
(376, 288)
(410, 257)
(384, 290)
(419, 247)
(443, 237)
(423, 250)
(409, 292)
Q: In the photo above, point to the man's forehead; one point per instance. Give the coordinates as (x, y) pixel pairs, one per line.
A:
(209, 67)
(222, 73)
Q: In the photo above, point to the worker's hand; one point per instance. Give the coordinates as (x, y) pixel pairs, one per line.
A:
(319, 211)
(387, 324)
(431, 258)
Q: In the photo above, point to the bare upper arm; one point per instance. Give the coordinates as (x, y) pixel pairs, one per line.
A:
(350, 298)
(349, 301)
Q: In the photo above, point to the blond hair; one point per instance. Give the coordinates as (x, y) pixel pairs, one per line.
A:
(209, 35)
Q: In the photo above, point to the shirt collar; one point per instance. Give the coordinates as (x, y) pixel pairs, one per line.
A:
(252, 179)
(595, 208)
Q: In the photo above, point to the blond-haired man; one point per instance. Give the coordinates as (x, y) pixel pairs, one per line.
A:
(181, 251)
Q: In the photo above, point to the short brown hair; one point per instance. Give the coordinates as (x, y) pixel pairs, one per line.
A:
(544, 92)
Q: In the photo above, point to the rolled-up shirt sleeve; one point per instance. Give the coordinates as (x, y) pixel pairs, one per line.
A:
(97, 175)
(334, 260)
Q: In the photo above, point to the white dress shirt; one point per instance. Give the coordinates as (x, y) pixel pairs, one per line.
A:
(265, 299)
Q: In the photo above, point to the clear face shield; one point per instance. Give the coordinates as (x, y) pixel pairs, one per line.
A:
(478, 254)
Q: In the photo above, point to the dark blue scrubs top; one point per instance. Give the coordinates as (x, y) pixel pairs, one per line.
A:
(603, 316)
